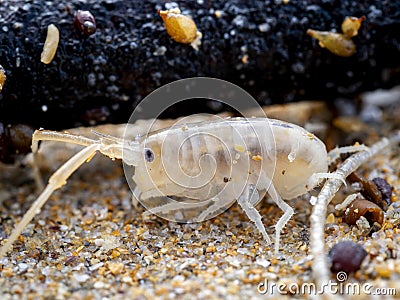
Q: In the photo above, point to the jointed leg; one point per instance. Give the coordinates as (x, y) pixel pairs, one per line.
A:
(172, 206)
(218, 203)
(288, 213)
(246, 201)
(47, 135)
(316, 178)
(57, 180)
(334, 154)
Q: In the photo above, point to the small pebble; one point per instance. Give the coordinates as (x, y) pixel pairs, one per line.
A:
(98, 285)
(384, 187)
(81, 277)
(330, 218)
(63, 227)
(23, 267)
(96, 266)
(346, 256)
(263, 262)
(98, 242)
(116, 268)
(8, 272)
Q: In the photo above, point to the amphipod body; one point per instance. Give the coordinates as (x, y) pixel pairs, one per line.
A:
(236, 149)
(208, 164)
(215, 163)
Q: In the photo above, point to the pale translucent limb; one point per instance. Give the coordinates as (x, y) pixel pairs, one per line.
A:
(218, 203)
(57, 180)
(135, 197)
(246, 201)
(316, 178)
(334, 154)
(346, 202)
(320, 270)
(47, 135)
(288, 213)
(37, 176)
(172, 206)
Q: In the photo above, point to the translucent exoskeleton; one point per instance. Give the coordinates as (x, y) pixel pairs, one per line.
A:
(210, 163)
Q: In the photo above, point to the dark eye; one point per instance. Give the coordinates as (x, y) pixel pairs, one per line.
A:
(148, 155)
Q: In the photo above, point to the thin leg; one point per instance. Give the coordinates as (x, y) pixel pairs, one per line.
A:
(316, 178)
(218, 203)
(349, 199)
(171, 206)
(57, 180)
(47, 135)
(246, 201)
(288, 213)
(36, 171)
(135, 197)
(334, 154)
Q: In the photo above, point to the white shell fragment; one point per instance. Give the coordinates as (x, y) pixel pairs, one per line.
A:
(50, 45)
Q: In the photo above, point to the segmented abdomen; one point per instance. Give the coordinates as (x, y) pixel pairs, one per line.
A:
(202, 160)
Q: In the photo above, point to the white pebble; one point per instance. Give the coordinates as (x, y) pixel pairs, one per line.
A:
(243, 251)
(264, 27)
(81, 277)
(96, 266)
(98, 285)
(46, 271)
(99, 242)
(23, 267)
(263, 262)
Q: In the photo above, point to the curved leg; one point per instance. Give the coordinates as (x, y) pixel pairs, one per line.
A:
(57, 180)
(219, 203)
(316, 178)
(47, 135)
(334, 154)
(246, 201)
(171, 206)
(288, 213)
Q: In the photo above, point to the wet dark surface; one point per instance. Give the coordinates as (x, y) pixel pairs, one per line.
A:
(116, 67)
(261, 46)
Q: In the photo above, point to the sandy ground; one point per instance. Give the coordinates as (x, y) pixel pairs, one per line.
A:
(90, 242)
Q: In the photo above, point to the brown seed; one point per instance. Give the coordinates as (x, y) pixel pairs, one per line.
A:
(385, 188)
(367, 209)
(369, 190)
(85, 22)
(2, 77)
